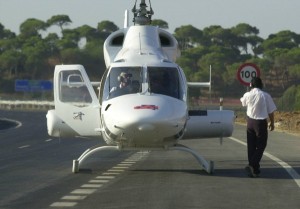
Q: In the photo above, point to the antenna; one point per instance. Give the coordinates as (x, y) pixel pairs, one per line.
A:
(142, 16)
(126, 19)
(140, 44)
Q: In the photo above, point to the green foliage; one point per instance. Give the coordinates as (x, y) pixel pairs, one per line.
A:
(59, 20)
(87, 32)
(244, 29)
(160, 23)
(293, 71)
(291, 99)
(107, 26)
(188, 36)
(32, 27)
(34, 53)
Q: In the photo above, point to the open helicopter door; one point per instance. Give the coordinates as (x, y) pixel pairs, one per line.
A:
(77, 109)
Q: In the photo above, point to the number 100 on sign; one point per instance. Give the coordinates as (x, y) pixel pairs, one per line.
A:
(246, 72)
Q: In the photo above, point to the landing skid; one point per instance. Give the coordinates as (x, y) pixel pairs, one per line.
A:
(87, 153)
(208, 166)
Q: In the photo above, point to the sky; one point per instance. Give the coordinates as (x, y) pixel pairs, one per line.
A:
(269, 16)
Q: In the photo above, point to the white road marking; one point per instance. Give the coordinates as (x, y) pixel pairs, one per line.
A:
(111, 173)
(238, 141)
(116, 170)
(292, 172)
(95, 184)
(125, 164)
(24, 146)
(73, 197)
(105, 177)
(102, 180)
(48, 140)
(134, 158)
(129, 161)
(63, 204)
(83, 191)
(98, 181)
(120, 167)
(91, 185)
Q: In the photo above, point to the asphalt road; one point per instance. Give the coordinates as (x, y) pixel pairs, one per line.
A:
(35, 173)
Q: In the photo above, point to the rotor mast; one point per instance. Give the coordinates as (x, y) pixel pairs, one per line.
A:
(142, 16)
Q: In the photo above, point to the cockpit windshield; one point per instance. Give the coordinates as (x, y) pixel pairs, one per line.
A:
(164, 80)
(123, 80)
(152, 80)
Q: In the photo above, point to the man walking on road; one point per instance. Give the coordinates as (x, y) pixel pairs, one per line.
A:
(260, 107)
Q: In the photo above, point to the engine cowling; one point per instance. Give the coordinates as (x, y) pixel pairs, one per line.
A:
(209, 124)
(57, 127)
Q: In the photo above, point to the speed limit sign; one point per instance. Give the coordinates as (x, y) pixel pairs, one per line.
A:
(246, 72)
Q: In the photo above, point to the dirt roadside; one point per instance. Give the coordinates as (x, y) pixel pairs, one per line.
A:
(284, 121)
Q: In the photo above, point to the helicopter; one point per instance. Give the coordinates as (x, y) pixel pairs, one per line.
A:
(142, 100)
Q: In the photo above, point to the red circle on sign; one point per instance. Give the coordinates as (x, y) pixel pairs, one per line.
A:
(246, 72)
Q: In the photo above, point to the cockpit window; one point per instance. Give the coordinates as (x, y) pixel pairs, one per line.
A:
(164, 80)
(123, 80)
(154, 80)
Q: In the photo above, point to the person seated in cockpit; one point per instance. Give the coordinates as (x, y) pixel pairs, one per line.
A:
(123, 88)
(158, 84)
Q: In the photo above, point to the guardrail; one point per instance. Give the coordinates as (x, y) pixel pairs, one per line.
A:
(27, 105)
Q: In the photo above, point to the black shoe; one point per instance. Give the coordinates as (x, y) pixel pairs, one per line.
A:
(250, 171)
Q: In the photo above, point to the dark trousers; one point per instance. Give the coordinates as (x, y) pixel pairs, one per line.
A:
(257, 136)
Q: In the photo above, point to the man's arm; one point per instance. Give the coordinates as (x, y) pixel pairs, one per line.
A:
(271, 125)
(244, 99)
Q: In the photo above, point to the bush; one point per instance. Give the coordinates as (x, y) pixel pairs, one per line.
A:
(290, 101)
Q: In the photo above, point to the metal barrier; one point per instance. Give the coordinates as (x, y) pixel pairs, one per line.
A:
(26, 105)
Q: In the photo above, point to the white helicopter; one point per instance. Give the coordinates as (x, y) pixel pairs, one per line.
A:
(142, 100)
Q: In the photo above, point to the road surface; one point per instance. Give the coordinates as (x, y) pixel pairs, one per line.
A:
(35, 172)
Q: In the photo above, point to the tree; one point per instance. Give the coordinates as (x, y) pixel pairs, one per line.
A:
(244, 29)
(60, 21)
(9, 43)
(188, 36)
(10, 61)
(32, 27)
(160, 23)
(6, 34)
(93, 60)
(87, 32)
(291, 99)
(107, 26)
(70, 56)
(189, 62)
(70, 39)
(281, 40)
(247, 35)
(221, 37)
(36, 52)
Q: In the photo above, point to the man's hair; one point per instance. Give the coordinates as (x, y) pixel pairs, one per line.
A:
(256, 82)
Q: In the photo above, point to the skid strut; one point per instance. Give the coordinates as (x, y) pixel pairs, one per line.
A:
(87, 153)
(208, 166)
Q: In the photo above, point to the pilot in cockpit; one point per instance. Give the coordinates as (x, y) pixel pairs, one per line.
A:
(124, 79)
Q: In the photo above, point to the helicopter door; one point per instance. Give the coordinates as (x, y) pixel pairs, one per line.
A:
(76, 103)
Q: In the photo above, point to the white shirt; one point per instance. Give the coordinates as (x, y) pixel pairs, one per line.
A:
(259, 104)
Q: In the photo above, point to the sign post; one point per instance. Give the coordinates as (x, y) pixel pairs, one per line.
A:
(246, 72)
